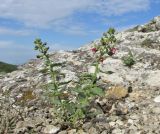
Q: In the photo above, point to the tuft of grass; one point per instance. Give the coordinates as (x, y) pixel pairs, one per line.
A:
(129, 60)
(117, 92)
(147, 43)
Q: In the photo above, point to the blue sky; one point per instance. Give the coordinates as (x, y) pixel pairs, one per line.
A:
(64, 24)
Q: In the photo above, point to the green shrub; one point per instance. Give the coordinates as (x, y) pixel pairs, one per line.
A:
(129, 59)
(107, 45)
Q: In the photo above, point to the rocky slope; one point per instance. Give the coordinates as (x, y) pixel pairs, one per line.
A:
(24, 109)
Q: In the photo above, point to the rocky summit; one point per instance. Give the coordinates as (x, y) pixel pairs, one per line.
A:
(24, 107)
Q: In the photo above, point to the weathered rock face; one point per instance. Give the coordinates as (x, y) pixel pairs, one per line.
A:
(141, 113)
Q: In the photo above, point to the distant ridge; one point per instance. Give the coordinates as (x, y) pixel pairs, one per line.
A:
(7, 68)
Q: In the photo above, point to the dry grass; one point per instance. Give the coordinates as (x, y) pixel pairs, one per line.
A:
(116, 92)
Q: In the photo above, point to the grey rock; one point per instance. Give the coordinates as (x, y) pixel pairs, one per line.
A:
(72, 131)
(154, 79)
(156, 110)
(104, 132)
(130, 121)
(92, 130)
(81, 132)
(119, 122)
(86, 126)
(117, 131)
(134, 117)
(50, 129)
(157, 99)
(22, 126)
(112, 123)
(63, 132)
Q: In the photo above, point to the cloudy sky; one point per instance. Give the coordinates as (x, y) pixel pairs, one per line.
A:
(64, 24)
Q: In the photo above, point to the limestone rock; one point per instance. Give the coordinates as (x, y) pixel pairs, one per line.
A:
(50, 129)
(157, 99)
(154, 79)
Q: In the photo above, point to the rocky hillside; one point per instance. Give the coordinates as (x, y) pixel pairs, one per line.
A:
(24, 107)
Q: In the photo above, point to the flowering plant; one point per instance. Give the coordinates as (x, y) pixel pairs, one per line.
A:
(70, 104)
(106, 46)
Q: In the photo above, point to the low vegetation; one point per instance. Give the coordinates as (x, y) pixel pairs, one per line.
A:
(129, 60)
(7, 68)
(147, 43)
(72, 105)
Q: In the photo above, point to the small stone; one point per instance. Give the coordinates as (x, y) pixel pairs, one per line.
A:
(63, 132)
(112, 123)
(87, 125)
(130, 121)
(105, 132)
(156, 110)
(157, 99)
(100, 126)
(153, 79)
(117, 131)
(93, 130)
(132, 127)
(50, 129)
(72, 131)
(81, 132)
(22, 126)
(119, 122)
(38, 129)
(91, 69)
(38, 121)
(134, 117)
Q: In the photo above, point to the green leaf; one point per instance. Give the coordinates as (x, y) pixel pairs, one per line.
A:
(55, 101)
(97, 91)
(83, 102)
(77, 89)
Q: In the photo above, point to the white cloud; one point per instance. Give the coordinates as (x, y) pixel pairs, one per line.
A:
(67, 26)
(17, 32)
(39, 13)
(44, 13)
(118, 7)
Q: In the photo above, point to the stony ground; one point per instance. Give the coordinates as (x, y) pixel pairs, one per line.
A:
(24, 108)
